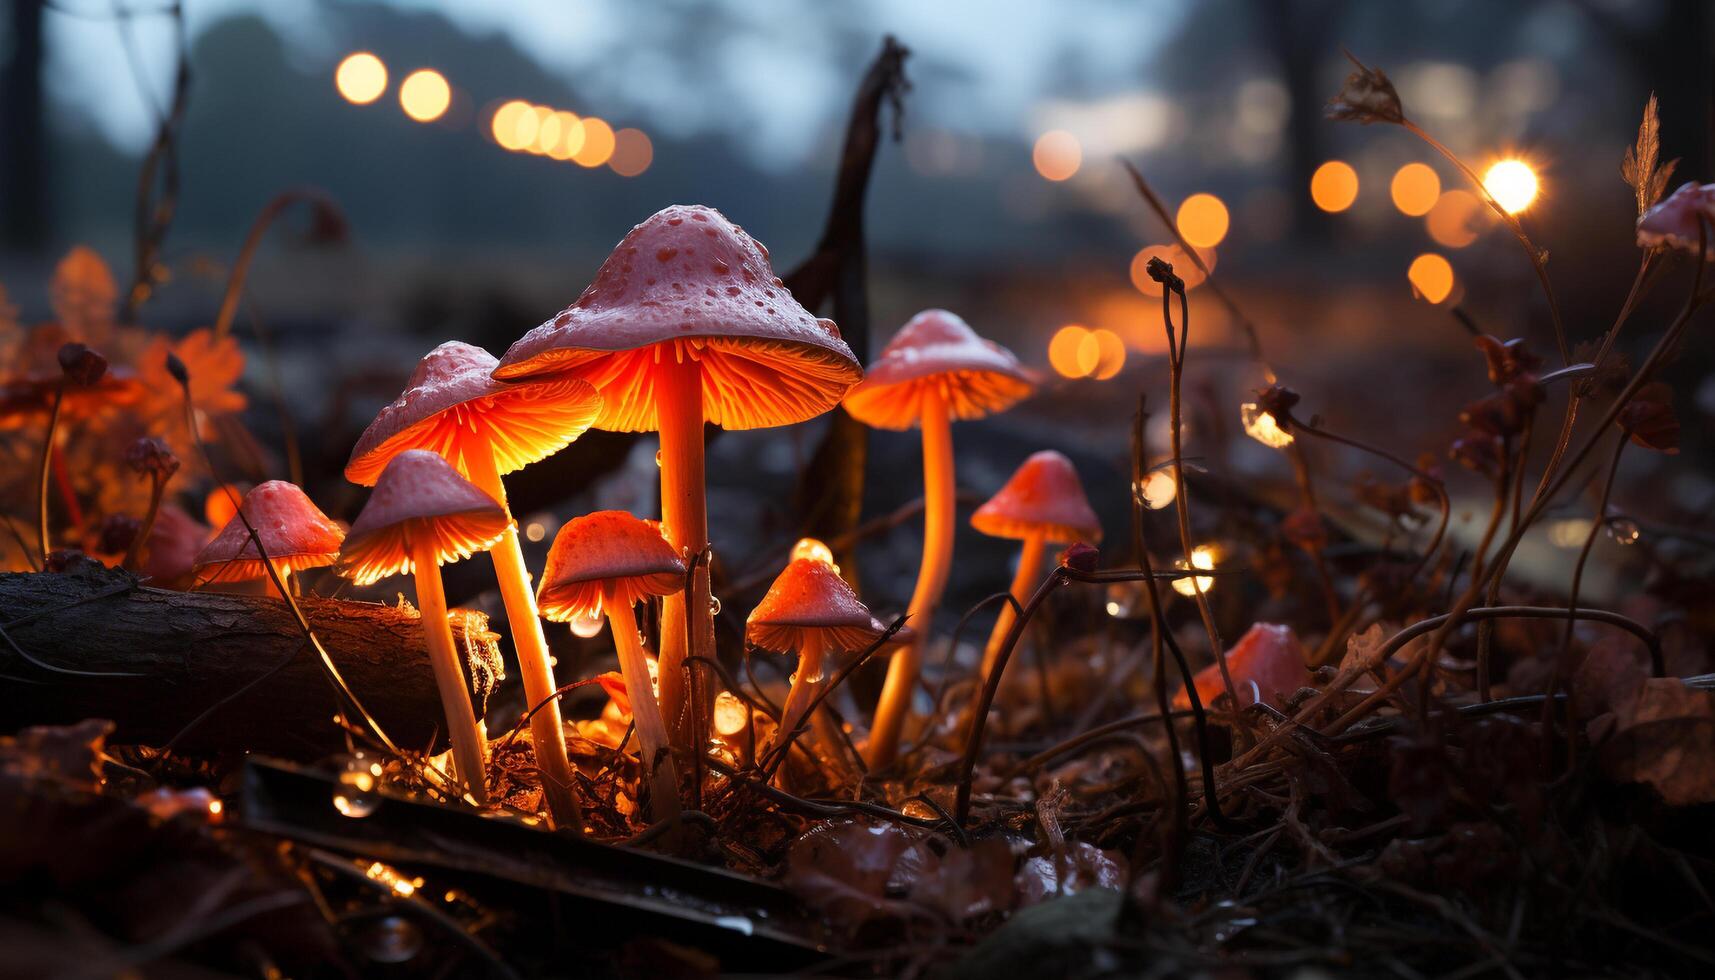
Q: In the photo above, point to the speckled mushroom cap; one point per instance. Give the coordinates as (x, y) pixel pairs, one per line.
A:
(294, 533)
(419, 496)
(453, 407)
(809, 598)
(688, 283)
(937, 350)
(1044, 496)
(606, 560)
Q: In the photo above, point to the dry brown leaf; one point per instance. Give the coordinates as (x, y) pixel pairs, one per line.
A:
(1665, 737)
(1639, 166)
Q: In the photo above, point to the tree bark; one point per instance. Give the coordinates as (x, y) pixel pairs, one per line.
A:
(196, 648)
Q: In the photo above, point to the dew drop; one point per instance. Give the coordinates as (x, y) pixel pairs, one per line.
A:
(714, 605)
(355, 794)
(657, 457)
(1624, 530)
(392, 939)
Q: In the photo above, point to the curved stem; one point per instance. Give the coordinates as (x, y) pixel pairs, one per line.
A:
(134, 554)
(938, 499)
(1596, 526)
(1023, 580)
(1307, 491)
(1428, 480)
(659, 770)
(805, 681)
(252, 241)
(547, 734)
(42, 473)
(686, 630)
(1648, 637)
(469, 750)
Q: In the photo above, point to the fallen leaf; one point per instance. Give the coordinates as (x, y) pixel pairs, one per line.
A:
(1083, 866)
(1665, 737)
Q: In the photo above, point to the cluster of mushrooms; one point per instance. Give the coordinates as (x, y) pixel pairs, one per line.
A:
(685, 323)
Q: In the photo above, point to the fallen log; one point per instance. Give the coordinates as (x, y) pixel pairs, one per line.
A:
(190, 650)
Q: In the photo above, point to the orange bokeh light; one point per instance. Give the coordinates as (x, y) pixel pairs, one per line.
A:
(1415, 189)
(598, 143)
(425, 95)
(1175, 256)
(1065, 349)
(1454, 220)
(360, 78)
(632, 152)
(1431, 277)
(1334, 186)
(1101, 354)
(1057, 155)
(1203, 220)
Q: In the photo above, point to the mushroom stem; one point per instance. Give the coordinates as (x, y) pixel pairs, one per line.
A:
(42, 476)
(805, 683)
(938, 493)
(468, 745)
(658, 768)
(679, 413)
(134, 554)
(547, 733)
(1023, 584)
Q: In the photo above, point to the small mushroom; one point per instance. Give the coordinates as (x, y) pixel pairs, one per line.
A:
(605, 563)
(295, 535)
(421, 514)
(687, 324)
(811, 610)
(485, 428)
(1043, 501)
(935, 370)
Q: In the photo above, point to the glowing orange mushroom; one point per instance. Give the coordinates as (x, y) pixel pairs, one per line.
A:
(453, 407)
(685, 324)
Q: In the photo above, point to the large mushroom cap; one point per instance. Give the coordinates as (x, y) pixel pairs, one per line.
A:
(419, 497)
(937, 350)
(1044, 496)
(688, 283)
(453, 407)
(809, 599)
(294, 533)
(606, 560)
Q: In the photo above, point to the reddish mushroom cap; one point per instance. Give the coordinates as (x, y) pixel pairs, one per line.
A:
(419, 496)
(1043, 496)
(1268, 656)
(606, 560)
(809, 598)
(295, 535)
(689, 283)
(453, 407)
(937, 350)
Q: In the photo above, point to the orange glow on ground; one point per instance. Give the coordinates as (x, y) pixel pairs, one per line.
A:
(1431, 277)
(425, 95)
(632, 152)
(360, 78)
(1057, 155)
(1334, 186)
(1202, 220)
(1416, 187)
(598, 143)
